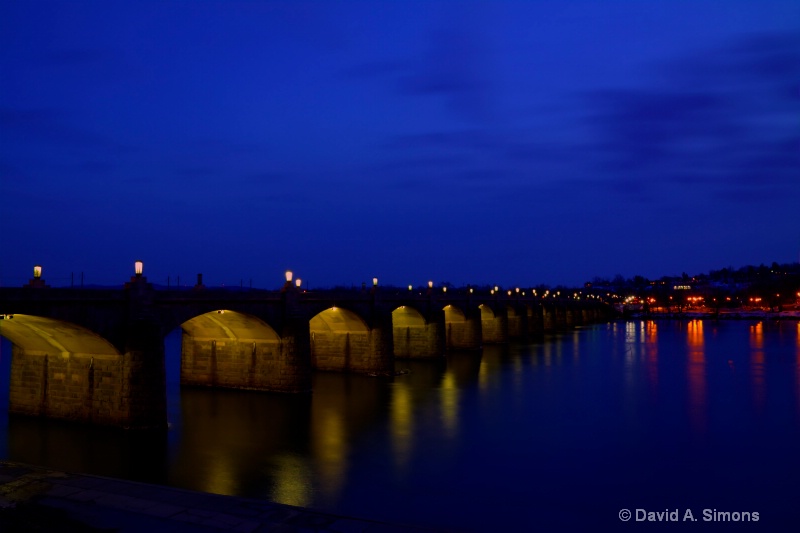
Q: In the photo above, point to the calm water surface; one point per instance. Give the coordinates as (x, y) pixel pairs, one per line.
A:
(555, 435)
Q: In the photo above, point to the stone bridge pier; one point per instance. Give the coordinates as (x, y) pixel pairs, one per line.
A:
(464, 328)
(418, 333)
(352, 336)
(266, 348)
(62, 368)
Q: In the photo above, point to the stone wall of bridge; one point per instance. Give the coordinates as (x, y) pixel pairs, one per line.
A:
(419, 342)
(239, 364)
(351, 351)
(464, 335)
(61, 370)
(101, 389)
(517, 325)
(494, 330)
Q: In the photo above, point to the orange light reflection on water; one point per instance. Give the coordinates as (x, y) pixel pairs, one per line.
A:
(757, 364)
(696, 375)
(651, 353)
(402, 424)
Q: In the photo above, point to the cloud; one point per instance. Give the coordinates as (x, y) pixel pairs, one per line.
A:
(723, 120)
(453, 67)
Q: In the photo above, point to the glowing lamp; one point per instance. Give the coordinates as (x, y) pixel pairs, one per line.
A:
(430, 284)
(491, 291)
(509, 292)
(470, 290)
(138, 268)
(517, 289)
(496, 288)
(374, 282)
(289, 276)
(410, 288)
(37, 271)
(444, 289)
(298, 282)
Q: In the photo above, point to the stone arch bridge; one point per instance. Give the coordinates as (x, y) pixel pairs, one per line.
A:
(97, 355)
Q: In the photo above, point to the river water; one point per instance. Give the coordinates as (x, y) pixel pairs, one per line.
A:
(559, 434)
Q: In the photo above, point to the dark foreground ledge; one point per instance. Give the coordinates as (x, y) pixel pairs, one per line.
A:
(38, 499)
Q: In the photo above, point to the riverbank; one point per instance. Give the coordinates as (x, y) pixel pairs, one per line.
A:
(726, 314)
(39, 499)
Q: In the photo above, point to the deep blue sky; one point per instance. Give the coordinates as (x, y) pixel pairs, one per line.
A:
(471, 142)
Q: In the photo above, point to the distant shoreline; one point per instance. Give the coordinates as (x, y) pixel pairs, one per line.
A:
(722, 315)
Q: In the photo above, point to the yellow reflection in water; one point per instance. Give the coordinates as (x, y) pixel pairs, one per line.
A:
(402, 424)
(220, 478)
(548, 353)
(449, 403)
(757, 363)
(696, 374)
(292, 481)
(330, 450)
(483, 376)
(576, 349)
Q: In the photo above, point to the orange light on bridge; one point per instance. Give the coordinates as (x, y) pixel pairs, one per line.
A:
(430, 284)
(37, 271)
(374, 282)
(298, 282)
(138, 268)
(410, 288)
(289, 275)
(444, 289)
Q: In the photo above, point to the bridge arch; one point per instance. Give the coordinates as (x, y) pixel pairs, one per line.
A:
(338, 319)
(342, 340)
(40, 334)
(494, 324)
(462, 330)
(232, 349)
(415, 337)
(453, 313)
(62, 370)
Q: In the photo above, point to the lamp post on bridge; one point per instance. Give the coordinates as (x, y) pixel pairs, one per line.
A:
(37, 282)
(138, 279)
